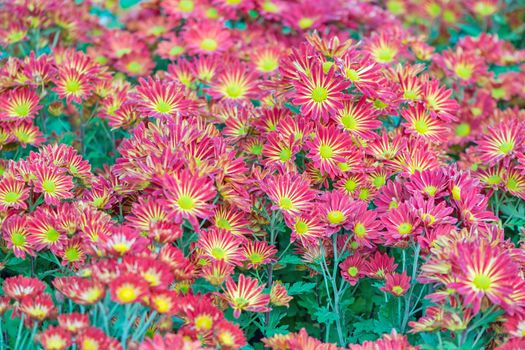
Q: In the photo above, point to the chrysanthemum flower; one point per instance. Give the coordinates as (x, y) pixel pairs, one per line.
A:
(465, 66)
(19, 104)
(330, 150)
(37, 308)
(279, 295)
(38, 70)
(245, 295)
(385, 45)
(74, 252)
(358, 119)
(92, 338)
(421, 124)
(501, 142)
(429, 183)
(15, 233)
(164, 302)
(229, 335)
(289, 193)
(280, 152)
(353, 268)
(396, 284)
(128, 289)
(72, 85)
(44, 231)
(26, 133)
(402, 224)
(364, 224)
(514, 182)
(336, 209)
(81, 291)
(319, 94)
(13, 193)
(230, 219)
(221, 245)
(430, 213)
(361, 70)
(416, 156)
(217, 271)
(439, 102)
(54, 338)
(123, 241)
(187, 196)
(53, 183)
(258, 253)
(380, 265)
(236, 83)
(484, 271)
(160, 99)
(307, 228)
(20, 287)
(73, 322)
(266, 60)
(206, 37)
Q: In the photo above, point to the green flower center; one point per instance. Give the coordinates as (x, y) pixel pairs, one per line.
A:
(305, 22)
(285, 154)
(163, 107)
(223, 223)
(421, 127)
(256, 258)
(233, 91)
(11, 197)
(350, 185)
(463, 130)
(301, 227)
(506, 147)
(22, 110)
(49, 186)
(218, 253)
(186, 5)
(285, 203)
(349, 121)
(52, 235)
(397, 290)
(352, 271)
(464, 71)
(352, 75)
(18, 239)
(186, 203)
(72, 86)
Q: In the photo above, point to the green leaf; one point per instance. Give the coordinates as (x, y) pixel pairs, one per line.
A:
(324, 315)
(300, 287)
(291, 259)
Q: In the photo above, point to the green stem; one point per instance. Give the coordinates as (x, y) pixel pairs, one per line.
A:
(19, 333)
(406, 316)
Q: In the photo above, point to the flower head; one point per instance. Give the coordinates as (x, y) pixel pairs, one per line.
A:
(245, 295)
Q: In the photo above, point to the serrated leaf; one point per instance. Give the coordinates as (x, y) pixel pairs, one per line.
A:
(300, 287)
(324, 315)
(291, 259)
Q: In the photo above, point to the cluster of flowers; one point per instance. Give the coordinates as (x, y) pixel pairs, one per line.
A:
(249, 133)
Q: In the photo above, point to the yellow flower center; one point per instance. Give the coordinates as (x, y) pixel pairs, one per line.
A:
(430, 190)
(482, 282)
(397, 290)
(218, 253)
(285, 203)
(209, 44)
(120, 247)
(404, 228)
(301, 227)
(326, 151)
(421, 126)
(49, 186)
(226, 338)
(360, 230)
(270, 7)
(126, 294)
(336, 217)
(90, 344)
(464, 71)
(305, 22)
(203, 322)
(506, 147)
(186, 5)
(456, 193)
(319, 94)
(234, 91)
(349, 121)
(186, 203)
(162, 305)
(463, 130)
(352, 74)
(410, 95)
